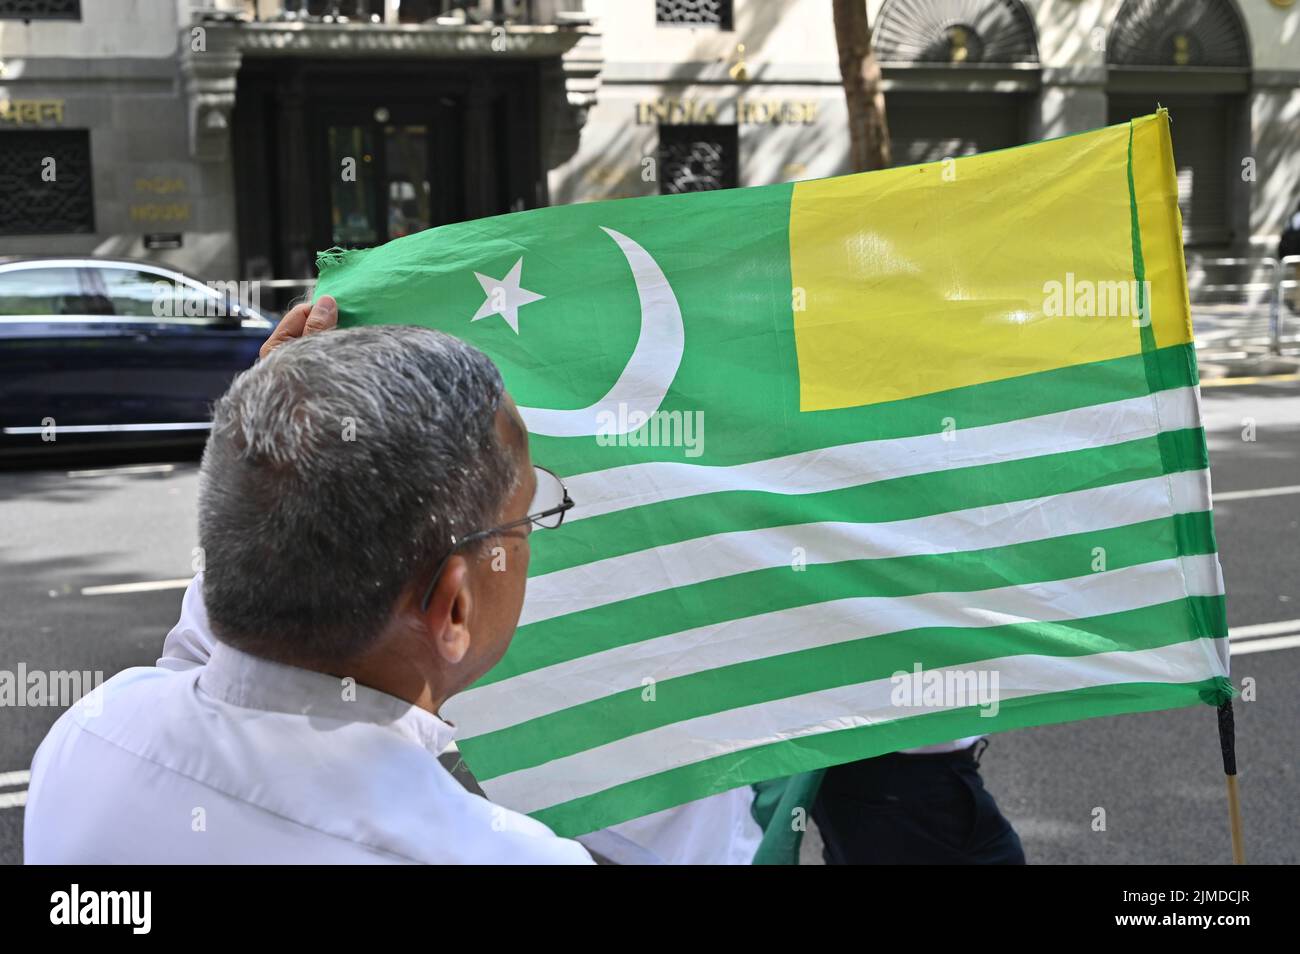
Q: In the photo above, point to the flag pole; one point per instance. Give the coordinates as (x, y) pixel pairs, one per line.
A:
(1228, 744)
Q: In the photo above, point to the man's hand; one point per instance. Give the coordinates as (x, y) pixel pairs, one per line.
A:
(302, 320)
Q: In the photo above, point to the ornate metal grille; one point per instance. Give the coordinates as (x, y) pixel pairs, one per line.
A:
(956, 32)
(715, 13)
(697, 158)
(40, 9)
(1178, 33)
(30, 205)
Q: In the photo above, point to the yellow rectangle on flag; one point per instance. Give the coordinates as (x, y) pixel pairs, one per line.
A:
(924, 278)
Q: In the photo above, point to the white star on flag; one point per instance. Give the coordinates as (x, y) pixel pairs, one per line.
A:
(504, 296)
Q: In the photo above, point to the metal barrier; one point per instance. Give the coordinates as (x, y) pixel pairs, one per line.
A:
(1286, 296)
(1246, 316)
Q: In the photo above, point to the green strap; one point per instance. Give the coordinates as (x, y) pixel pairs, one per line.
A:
(782, 807)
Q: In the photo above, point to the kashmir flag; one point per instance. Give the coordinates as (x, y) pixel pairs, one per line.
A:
(846, 454)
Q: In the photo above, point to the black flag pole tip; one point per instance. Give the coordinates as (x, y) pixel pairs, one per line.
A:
(1228, 747)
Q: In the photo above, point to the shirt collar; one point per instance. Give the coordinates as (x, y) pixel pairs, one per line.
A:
(252, 682)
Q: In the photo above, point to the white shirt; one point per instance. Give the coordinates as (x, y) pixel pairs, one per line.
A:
(718, 830)
(243, 760)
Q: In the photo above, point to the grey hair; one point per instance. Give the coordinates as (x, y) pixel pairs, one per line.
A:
(308, 537)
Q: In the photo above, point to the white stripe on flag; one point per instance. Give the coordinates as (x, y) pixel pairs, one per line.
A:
(614, 579)
(845, 707)
(533, 694)
(852, 465)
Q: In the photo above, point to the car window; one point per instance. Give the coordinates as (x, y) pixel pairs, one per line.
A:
(141, 294)
(48, 291)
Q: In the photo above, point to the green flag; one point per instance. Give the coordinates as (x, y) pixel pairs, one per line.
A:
(860, 464)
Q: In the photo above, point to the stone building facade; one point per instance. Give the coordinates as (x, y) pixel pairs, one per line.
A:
(216, 135)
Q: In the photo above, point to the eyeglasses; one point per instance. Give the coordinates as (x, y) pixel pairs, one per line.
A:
(550, 502)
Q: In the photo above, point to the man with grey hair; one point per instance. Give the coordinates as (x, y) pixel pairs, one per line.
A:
(365, 503)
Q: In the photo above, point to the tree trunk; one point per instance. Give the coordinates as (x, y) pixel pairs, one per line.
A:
(868, 131)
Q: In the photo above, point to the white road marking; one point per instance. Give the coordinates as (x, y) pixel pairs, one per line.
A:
(114, 471)
(147, 586)
(1264, 637)
(1265, 645)
(9, 779)
(1255, 630)
(1263, 492)
(13, 799)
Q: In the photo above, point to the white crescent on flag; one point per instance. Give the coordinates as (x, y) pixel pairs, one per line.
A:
(645, 380)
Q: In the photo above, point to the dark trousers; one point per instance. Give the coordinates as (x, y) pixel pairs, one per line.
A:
(914, 810)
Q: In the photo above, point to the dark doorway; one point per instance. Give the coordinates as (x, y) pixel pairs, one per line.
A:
(356, 153)
(391, 171)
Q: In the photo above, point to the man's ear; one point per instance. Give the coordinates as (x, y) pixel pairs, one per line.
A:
(447, 618)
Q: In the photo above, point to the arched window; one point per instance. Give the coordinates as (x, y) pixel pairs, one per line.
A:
(1178, 33)
(957, 32)
(1192, 56)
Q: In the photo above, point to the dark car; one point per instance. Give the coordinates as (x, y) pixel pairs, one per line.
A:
(112, 351)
